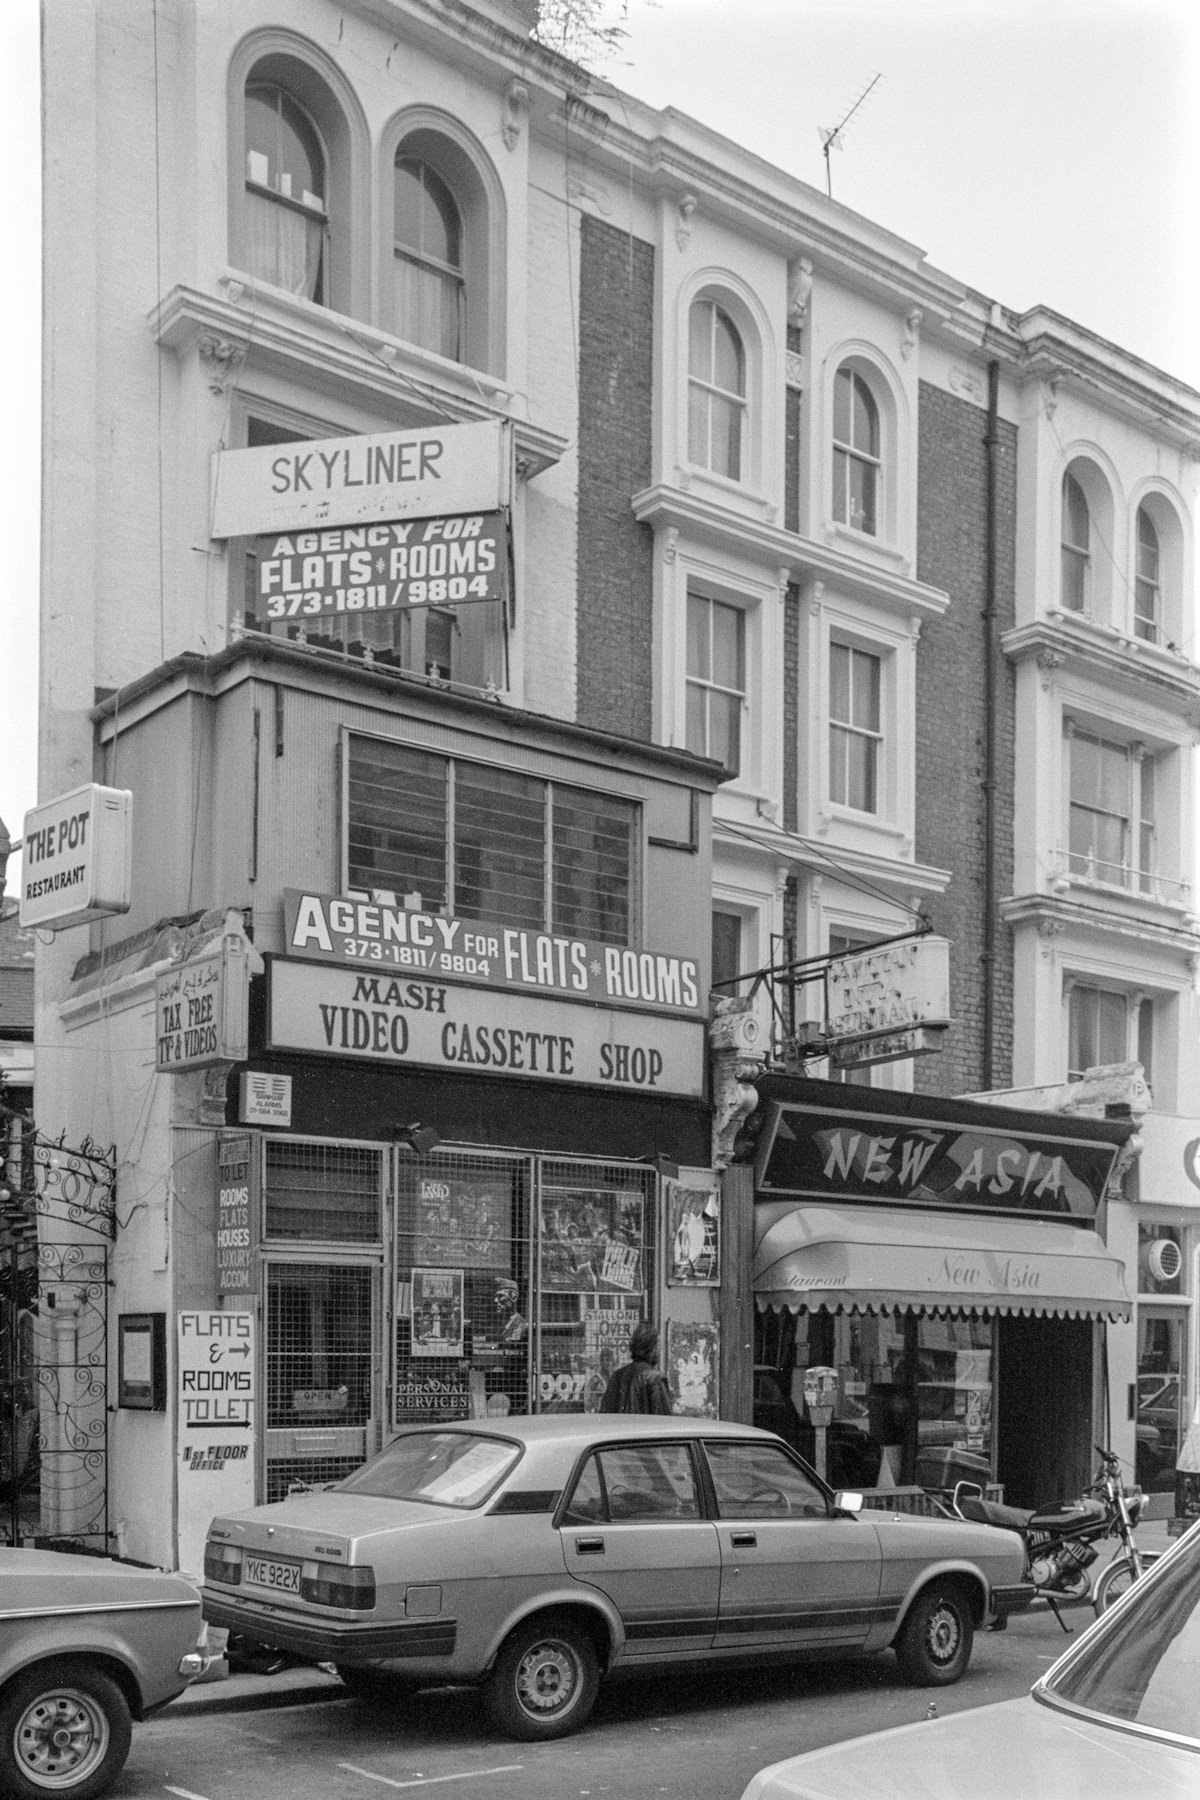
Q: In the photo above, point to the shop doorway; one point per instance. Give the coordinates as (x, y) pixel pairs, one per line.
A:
(322, 1362)
(1044, 1449)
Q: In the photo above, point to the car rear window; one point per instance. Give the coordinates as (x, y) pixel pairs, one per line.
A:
(1145, 1670)
(443, 1468)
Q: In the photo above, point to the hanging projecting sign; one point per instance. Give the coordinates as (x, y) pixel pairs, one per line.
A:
(435, 472)
(378, 568)
(404, 1020)
(201, 1010)
(385, 939)
(894, 988)
(77, 858)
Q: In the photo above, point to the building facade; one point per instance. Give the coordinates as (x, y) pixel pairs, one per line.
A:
(483, 509)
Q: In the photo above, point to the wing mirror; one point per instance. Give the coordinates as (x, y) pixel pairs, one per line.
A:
(848, 1502)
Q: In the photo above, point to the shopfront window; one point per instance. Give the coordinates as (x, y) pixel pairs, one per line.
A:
(518, 1282)
(913, 1399)
(1162, 1342)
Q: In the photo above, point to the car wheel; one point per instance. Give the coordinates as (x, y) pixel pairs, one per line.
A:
(373, 1684)
(64, 1729)
(934, 1646)
(544, 1682)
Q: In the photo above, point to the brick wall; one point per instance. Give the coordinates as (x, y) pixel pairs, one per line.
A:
(615, 614)
(950, 726)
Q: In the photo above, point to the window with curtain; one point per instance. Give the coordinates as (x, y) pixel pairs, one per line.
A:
(716, 679)
(1147, 608)
(855, 735)
(1076, 547)
(430, 291)
(1112, 808)
(1105, 1026)
(287, 222)
(716, 391)
(856, 454)
(488, 842)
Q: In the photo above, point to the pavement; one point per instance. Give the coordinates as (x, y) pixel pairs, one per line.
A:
(219, 1690)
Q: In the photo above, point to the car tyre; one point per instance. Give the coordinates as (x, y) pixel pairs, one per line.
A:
(934, 1645)
(64, 1729)
(544, 1681)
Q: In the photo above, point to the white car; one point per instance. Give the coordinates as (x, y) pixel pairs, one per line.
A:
(1116, 1718)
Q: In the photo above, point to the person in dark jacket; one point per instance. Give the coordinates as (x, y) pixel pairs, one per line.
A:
(638, 1386)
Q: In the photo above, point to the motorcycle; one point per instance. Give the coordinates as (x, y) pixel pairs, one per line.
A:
(1060, 1540)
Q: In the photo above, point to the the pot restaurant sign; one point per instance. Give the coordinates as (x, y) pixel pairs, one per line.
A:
(821, 1154)
(407, 1019)
(381, 939)
(77, 858)
(882, 993)
(379, 568)
(438, 471)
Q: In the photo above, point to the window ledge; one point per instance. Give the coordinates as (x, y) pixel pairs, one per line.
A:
(737, 494)
(865, 543)
(310, 346)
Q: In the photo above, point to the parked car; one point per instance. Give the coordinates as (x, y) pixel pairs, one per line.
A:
(533, 1555)
(1115, 1717)
(86, 1646)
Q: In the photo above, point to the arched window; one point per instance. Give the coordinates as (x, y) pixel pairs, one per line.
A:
(287, 224)
(1147, 587)
(1076, 547)
(716, 391)
(856, 461)
(430, 291)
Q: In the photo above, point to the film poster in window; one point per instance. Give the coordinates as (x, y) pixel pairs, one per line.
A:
(463, 1223)
(694, 1243)
(575, 1360)
(694, 1366)
(591, 1241)
(436, 1316)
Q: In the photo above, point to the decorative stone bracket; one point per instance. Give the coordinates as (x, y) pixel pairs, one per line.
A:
(737, 1061)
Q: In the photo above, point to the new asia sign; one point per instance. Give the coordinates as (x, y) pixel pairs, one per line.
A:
(403, 1020)
(379, 568)
(819, 1154)
(381, 938)
(314, 483)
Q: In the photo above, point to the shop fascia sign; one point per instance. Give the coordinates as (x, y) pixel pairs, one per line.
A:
(314, 484)
(388, 943)
(888, 1003)
(410, 1021)
(77, 858)
(817, 1153)
(351, 569)
(202, 1009)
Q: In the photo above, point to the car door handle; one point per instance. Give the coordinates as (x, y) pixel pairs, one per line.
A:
(743, 1540)
(589, 1546)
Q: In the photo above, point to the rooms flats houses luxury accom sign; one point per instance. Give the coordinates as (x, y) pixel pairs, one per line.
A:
(362, 978)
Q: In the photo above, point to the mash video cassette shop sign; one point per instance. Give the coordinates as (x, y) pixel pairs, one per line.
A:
(410, 1020)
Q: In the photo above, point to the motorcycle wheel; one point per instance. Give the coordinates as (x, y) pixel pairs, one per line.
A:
(1118, 1578)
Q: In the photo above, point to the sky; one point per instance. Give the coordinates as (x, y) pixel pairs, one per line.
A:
(1040, 151)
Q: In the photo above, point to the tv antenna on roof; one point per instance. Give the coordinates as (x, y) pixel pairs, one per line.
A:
(831, 138)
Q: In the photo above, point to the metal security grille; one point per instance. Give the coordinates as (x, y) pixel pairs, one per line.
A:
(323, 1192)
(320, 1371)
(461, 1340)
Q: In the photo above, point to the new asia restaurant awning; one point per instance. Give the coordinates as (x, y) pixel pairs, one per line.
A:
(876, 1259)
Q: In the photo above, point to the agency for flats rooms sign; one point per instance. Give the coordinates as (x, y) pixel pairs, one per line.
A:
(404, 1018)
(437, 471)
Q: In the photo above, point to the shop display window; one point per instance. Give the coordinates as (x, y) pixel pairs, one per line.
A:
(912, 1401)
(1162, 1341)
(327, 1193)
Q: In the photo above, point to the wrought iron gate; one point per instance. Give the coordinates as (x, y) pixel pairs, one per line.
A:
(56, 1225)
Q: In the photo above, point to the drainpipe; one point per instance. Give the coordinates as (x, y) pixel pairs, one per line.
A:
(988, 958)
